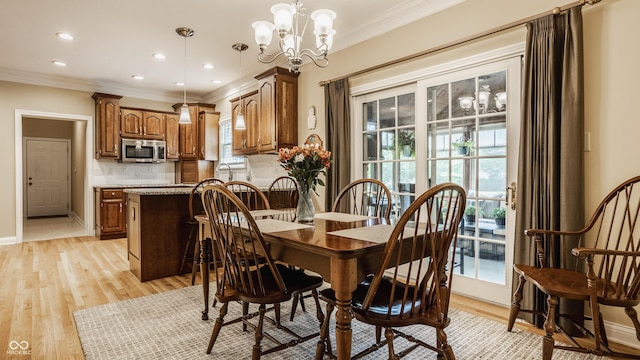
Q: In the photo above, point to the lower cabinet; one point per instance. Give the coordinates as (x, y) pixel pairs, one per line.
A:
(157, 234)
(110, 213)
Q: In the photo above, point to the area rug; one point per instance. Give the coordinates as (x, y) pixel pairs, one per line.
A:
(168, 326)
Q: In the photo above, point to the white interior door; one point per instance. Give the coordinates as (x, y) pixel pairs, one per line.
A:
(47, 177)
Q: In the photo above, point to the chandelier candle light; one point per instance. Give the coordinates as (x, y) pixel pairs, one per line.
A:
(305, 164)
(287, 20)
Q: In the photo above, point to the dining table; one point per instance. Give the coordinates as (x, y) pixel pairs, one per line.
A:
(342, 248)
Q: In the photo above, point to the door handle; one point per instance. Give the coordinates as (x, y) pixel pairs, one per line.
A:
(511, 194)
(30, 183)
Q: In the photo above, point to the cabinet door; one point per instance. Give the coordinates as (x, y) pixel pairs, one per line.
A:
(189, 136)
(252, 120)
(112, 216)
(171, 136)
(133, 235)
(238, 136)
(208, 124)
(131, 123)
(107, 127)
(153, 125)
(267, 115)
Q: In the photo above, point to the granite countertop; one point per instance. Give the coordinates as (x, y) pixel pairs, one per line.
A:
(176, 190)
(146, 186)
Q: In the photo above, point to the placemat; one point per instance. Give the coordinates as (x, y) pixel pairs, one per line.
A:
(375, 233)
(343, 217)
(272, 225)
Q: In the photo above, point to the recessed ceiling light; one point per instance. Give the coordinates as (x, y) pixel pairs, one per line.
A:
(159, 56)
(138, 77)
(208, 66)
(179, 83)
(59, 63)
(66, 36)
(216, 81)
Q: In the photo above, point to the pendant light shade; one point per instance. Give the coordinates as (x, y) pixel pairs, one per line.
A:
(240, 125)
(185, 118)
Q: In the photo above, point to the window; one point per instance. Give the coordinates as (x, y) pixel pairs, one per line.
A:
(226, 154)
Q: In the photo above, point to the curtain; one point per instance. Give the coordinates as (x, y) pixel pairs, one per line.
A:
(550, 192)
(338, 110)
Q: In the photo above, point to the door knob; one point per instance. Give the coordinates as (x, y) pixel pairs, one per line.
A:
(511, 195)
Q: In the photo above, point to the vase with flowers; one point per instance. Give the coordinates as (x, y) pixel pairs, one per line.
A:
(305, 164)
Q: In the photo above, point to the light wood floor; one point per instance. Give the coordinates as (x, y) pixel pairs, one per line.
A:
(42, 283)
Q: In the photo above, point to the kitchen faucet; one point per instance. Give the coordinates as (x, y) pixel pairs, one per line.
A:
(230, 172)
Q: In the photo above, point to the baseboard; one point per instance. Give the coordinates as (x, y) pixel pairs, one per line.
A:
(619, 334)
(8, 240)
(77, 218)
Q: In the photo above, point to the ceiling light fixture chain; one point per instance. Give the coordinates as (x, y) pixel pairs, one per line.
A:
(185, 117)
(286, 21)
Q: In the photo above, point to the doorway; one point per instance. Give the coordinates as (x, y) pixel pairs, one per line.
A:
(84, 155)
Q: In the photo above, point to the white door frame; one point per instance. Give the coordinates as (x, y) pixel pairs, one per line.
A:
(25, 140)
(88, 183)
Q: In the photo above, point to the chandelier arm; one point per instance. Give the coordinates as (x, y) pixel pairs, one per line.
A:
(267, 58)
(319, 61)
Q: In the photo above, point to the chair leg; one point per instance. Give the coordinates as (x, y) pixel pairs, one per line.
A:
(388, 334)
(278, 312)
(515, 305)
(443, 344)
(245, 311)
(294, 305)
(257, 349)
(324, 343)
(194, 265)
(549, 328)
(378, 334)
(633, 315)
(217, 327)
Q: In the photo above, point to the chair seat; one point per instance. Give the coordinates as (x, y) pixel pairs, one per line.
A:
(295, 282)
(560, 282)
(377, 313)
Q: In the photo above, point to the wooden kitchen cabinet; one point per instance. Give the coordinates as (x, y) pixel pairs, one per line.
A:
(245, 142)
(188, 133)
(107, 130)
(271, 114)
(208, 135)
(198, 143)
(172, 136)
(110, 213)
(140, 124)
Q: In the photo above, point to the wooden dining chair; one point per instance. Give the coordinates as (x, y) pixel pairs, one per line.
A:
(250, 194)
(195, 208)
(412, 282)
(607, 271)
(369, 197)
(283, 195)
(249, 274)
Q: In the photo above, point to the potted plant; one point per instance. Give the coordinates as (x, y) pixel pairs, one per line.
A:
(464, 144)
(407, 142)
(499, 214)
(470, 213)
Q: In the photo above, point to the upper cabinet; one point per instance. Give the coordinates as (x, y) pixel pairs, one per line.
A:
(208, 136)
(191, 141)
(141, 124)
(271, 114)
(245, 141)
(107, 131)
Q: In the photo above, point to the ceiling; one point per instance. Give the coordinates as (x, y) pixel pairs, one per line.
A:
(115, 40)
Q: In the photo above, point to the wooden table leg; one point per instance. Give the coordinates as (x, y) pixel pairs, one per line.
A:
(343, 282)
(204, 270)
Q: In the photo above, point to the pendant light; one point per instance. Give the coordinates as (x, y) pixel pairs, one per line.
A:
(185, 118)
(240, 124)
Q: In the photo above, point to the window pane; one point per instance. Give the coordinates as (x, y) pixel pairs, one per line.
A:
(407, 143)
(407, 172)
(492, 175)
(387, 175)
(387, 145)
(370, 116)
(437, 173)
(492, 136)
(463, 135)
(369, 146)
(370, 170)
(407, 109)
(388, 113)
(462, 94)
(438, 102)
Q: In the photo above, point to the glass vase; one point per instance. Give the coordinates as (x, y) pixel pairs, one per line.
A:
(305, 210)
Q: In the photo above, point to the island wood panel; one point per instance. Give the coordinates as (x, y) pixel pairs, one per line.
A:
(160, 232)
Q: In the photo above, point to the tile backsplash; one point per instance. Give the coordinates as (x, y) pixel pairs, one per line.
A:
(113, 172)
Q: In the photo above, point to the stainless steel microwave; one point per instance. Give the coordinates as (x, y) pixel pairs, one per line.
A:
(144, 151)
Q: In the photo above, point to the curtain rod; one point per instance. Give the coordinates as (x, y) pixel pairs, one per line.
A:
(556, 10)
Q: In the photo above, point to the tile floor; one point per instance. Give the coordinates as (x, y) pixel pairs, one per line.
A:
(52, 228)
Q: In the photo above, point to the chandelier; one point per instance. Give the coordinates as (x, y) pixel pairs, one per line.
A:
(290, 20)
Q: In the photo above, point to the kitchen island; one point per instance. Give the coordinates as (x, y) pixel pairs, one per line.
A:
(156, 230)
